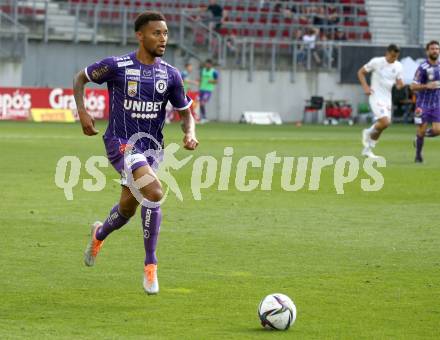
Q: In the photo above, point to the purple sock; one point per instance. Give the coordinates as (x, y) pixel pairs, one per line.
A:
(430, 133)
(151, 218)
(113, 222)
(419, 146)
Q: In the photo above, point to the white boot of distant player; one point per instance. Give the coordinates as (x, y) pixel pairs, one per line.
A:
(368, 152)
(369, 143)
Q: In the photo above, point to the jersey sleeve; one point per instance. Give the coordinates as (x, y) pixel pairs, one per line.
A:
(419, 77)
(215, 75)
(101, 71)
(400, 73)
(371, 65)
(178, 98)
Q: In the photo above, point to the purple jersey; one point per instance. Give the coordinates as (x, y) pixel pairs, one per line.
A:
(428, 100)
(138, 96)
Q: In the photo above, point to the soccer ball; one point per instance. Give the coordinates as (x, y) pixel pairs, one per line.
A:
(277, 311)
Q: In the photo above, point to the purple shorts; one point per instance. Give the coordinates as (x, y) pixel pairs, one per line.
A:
(204, 96)
(122, 161)
(430, 116)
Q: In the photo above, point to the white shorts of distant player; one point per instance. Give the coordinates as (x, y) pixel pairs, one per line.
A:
(381, 107)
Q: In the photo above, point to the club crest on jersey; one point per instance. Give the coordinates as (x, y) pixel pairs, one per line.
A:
(161, 86)
(132, 88)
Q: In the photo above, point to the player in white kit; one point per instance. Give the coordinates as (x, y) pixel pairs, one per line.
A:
(386, 71)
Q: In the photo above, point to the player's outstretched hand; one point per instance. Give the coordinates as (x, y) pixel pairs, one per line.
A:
(88, 124)
(190, 142)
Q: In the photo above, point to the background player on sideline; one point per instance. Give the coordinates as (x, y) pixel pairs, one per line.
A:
(208, 81)
(386, 71)
(426, 83)
(140, 84)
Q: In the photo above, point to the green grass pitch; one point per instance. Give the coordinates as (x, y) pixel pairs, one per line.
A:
(358, 266)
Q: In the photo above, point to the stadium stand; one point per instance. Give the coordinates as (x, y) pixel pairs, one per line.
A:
(387, 21)
(13, 39)
(257, 19)
(430, 15)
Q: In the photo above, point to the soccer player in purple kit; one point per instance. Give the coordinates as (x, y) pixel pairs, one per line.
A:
(140, 84)
(427, 84)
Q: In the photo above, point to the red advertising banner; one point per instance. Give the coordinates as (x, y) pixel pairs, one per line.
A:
(49, 104)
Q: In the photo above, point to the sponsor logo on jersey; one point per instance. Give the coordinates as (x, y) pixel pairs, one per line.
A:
(144, 115)
(127, 57)
(161, 86)
(161, 76)
(98, 73)
(125, 63)
(132, 72)
(139, 108)
(132, 88)
(133, 78)
(147, 73)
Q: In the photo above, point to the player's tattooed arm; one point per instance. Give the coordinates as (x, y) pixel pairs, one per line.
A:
(190, 141)
(87, 121)
(363, 80)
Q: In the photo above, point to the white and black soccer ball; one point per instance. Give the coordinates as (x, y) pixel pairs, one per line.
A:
(277, 311)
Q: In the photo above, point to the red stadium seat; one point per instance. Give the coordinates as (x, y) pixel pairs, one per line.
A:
(366, 36)
(224, 31)
(352, 36)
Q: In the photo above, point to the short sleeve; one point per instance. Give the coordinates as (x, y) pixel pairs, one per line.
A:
(371, 65)
(215, 75)
(419, 76)
(101, 71)
(178, 98)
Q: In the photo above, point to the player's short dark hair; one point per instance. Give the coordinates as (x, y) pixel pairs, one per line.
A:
(432, 42)
(393, 48)
(208, 61)
(145, 17)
